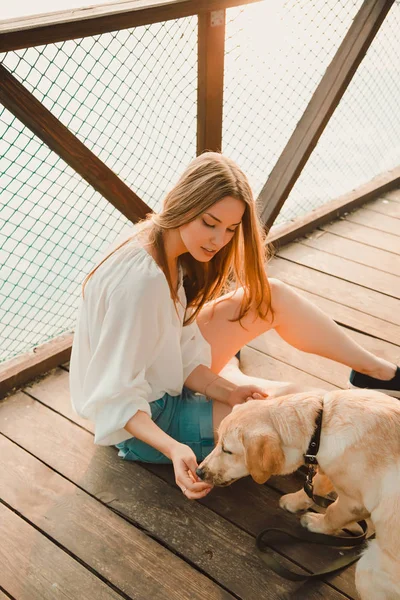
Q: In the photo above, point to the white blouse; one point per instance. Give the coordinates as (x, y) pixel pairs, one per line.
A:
(130, 346)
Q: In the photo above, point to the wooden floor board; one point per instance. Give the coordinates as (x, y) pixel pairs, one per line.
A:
(365, 235)
(374, 220)
(342, 268)
(385, 206)
(393, 195)
(33, 568)
(357, 252)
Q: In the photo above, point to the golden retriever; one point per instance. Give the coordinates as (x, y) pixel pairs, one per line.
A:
(359, 453)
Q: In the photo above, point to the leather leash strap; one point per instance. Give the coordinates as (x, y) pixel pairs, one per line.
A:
(343, 561)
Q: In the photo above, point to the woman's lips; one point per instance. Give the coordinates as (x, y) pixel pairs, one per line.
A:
(208, 252)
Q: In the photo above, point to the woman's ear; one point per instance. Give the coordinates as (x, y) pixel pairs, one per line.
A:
(264, 456)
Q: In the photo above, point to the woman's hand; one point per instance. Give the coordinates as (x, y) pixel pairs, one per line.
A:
(243, 393)
(185, 465)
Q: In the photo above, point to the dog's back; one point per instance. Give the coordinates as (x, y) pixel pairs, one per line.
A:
(372, 458)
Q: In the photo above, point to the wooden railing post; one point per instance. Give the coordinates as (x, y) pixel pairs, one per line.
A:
(210, 82)
(321, 107)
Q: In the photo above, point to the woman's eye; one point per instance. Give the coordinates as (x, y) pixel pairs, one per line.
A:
(226, 451)
(208, 224)
(231, 230)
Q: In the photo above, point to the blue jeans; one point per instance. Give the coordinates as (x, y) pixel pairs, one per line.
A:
(187, 418)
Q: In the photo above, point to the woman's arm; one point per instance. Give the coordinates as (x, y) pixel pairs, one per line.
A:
(203, 380)
(183, 459)
(142, 427)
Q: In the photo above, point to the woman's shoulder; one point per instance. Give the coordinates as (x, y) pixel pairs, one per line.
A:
(129, 266)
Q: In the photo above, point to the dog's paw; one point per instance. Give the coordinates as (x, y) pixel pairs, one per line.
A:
(295, 502)
(314, 522)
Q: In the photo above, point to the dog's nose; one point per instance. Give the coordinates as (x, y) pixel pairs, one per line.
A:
(200, 472)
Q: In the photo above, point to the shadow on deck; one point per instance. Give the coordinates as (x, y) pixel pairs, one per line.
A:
(78, 523)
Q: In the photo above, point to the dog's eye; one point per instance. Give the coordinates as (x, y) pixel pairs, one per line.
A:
(226, 451)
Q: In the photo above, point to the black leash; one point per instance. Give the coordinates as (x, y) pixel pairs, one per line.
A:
(355, 541)
(317, 538)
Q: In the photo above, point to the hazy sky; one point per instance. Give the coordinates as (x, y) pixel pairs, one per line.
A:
(22, 8)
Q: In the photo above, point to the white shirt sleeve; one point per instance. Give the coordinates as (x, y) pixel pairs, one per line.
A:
(195, 349)
(115, 386)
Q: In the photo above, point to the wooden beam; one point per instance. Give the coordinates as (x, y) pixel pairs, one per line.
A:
(283, 234)
(23, 105)
(210, 82)
(55, 27)
(23, 369)
(321, 107)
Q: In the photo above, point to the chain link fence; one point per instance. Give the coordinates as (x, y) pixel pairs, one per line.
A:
(130, 97)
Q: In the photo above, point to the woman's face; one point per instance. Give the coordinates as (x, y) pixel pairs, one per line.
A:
(213, 229)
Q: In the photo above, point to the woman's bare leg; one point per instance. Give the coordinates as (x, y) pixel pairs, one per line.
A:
(298, 321)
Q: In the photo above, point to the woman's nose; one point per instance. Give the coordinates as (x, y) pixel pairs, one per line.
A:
(217, 238)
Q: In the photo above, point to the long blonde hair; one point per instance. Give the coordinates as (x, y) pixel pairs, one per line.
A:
(241, 263)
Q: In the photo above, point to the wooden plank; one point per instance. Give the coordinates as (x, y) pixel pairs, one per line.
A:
(32, 568)
(323, 368)
(357, 252)
(385, 206)
(287, 232)
(210, 88)
(321, 107)
(202, 537)
(3, 596)
(342, 268)
(347, 293)
(23, 105)
(95, 535)
(18, 371)
(394, 195)
(73, 24)
(365, 235)
(374, 220)
(53, 391)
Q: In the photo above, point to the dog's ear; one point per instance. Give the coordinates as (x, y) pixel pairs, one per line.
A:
(264, 456)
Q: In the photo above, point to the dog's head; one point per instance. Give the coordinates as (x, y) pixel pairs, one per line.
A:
(245, 446)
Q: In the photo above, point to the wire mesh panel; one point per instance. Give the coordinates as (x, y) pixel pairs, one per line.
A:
(362, 138)
(276, 55)
(130, 97)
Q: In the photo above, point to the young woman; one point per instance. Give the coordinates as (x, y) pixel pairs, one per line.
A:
(162, 316)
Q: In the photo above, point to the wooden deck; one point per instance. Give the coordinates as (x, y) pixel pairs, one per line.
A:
(78, 523)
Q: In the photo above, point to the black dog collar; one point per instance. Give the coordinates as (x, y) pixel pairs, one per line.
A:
(310, 457)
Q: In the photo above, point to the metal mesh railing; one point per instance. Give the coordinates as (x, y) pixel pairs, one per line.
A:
(362, 138)
(276, 55)
(130, 97)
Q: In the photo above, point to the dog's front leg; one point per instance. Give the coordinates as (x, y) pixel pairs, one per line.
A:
(300, 501)
(342, 512)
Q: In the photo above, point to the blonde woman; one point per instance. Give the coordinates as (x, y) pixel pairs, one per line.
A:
(153, 361)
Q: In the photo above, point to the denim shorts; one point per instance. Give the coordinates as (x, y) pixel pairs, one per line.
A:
(187, 418)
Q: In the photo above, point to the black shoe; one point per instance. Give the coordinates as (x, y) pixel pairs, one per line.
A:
(390, 387)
